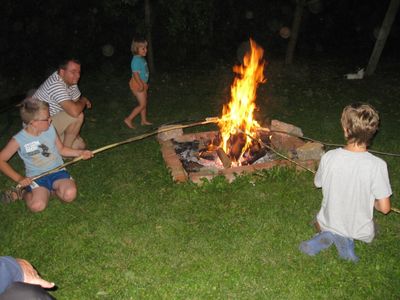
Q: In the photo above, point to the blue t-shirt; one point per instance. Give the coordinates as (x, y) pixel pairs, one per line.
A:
(39, 153)
(139, 64)
(10, 271)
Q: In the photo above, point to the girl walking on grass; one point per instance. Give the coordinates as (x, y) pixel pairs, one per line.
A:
(138, 83)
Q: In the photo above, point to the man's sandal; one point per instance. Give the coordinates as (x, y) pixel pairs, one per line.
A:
(11, 195)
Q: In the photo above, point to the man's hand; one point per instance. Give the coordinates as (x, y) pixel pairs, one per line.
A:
(88, 104)
(31, 276)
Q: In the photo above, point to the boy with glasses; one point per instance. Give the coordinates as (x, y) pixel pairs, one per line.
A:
(40, 148)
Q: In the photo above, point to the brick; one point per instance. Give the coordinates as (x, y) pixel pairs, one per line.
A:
(179, 175)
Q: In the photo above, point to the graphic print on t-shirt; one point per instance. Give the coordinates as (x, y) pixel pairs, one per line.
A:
(45, 150)
(36, 147)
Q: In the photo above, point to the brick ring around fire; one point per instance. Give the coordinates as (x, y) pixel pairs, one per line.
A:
(194, 156)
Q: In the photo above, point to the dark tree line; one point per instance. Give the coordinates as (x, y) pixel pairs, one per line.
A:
(34, 35)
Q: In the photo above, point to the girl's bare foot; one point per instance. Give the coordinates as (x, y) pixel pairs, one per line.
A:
(146, 123)
(129, 124)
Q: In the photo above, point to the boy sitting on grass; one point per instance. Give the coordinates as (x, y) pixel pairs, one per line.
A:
(353, 182)
(40, 148)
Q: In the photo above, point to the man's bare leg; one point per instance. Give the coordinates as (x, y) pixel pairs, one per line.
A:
(72, 132)
(79, 143)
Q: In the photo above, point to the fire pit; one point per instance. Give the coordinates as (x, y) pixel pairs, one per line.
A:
(241, 144)
(195, 156)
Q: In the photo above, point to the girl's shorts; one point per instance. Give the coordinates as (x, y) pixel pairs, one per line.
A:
(135, 87)
(48, 180)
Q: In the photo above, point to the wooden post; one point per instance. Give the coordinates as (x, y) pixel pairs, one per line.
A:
(382, 36)
(295, 31)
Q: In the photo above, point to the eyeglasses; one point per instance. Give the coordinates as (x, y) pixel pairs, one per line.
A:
(43, 120)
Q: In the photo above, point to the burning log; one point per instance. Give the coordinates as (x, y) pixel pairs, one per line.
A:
(236, 142)
(226, 161)
(254, 156)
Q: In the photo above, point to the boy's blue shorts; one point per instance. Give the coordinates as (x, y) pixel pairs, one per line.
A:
(48, 180)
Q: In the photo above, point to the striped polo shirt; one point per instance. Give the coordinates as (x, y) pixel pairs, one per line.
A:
(54, 91)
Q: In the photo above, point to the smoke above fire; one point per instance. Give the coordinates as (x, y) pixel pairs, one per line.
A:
(237, 121)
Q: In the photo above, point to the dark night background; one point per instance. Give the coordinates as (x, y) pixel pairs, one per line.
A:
(35, 35)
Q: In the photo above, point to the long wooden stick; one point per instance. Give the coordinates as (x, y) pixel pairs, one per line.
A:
(169, 128)
(394, 209)
(136, 138)
(324, 143)
(276, 152)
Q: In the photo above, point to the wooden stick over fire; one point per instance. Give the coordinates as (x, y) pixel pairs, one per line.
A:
(160, 130)
(136, 138)
(394, 209)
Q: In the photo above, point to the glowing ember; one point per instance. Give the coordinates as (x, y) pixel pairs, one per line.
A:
(238, 114)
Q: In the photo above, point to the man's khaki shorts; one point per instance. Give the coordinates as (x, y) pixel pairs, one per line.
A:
(61, 121)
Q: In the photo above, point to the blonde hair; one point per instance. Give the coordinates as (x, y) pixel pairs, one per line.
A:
(360, 122)
(136, 43)
(30, 108)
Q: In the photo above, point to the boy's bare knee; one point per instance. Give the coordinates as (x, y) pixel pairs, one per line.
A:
(69, 195)
(37, 206)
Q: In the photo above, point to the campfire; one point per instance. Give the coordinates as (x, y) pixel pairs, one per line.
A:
(237, 124)
(241, 144)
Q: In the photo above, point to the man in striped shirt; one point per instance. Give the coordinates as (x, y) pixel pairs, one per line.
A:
(66, 103)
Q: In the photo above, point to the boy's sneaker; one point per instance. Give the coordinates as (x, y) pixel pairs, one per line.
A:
(318, 243)
(11, 195)
(345, 247)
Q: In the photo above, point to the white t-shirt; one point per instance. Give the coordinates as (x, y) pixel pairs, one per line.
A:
(54, 91)
(351, 181)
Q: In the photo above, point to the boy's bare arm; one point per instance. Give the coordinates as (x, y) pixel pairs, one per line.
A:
(383, 205)
(66, 151)
(5, 155)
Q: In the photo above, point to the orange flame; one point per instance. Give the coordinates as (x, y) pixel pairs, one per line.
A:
(238, 114)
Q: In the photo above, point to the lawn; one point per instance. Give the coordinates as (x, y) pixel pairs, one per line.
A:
(133, 233)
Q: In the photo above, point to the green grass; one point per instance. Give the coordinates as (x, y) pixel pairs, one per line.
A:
(134, 234)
